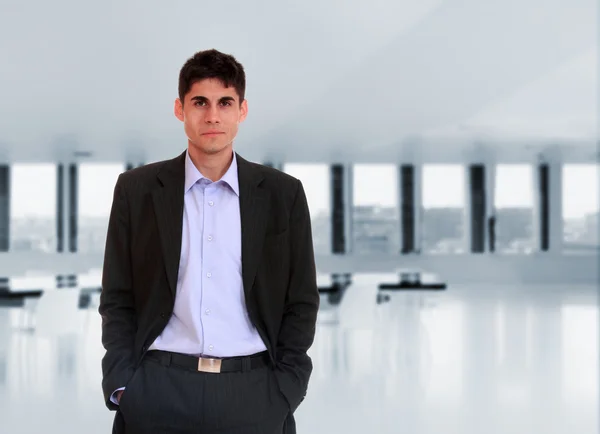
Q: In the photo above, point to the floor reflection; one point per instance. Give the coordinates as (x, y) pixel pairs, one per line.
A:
(465, 360)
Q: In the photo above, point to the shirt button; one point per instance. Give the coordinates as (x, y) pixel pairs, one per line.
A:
(210, 238)
(207, 311)
(211, 203)
(210, 347)
(208, 274)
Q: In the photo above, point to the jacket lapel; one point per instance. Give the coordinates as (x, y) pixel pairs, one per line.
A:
(254, 209)
(168, 207)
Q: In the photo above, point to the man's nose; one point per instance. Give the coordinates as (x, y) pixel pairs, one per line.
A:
(212, 115)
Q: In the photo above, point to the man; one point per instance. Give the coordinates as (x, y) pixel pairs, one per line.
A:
(209, 297)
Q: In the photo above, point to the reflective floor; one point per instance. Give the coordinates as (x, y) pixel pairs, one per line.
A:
(467, 360)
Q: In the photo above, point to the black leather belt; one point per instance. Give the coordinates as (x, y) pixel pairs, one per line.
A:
(210, 364)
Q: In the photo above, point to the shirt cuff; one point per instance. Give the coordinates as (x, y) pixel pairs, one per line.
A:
(113, 397)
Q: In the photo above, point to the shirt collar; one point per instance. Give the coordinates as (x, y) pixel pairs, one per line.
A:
(193, 175)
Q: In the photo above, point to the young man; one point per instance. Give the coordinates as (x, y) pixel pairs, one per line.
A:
(209, 296)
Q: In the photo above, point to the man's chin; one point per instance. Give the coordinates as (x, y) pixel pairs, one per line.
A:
(210, 149)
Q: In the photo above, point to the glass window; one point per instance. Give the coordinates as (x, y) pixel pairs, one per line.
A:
(513, 203)
(315, 180)
(580, 207)
(376, 221)
(95, 195)
(443, 209)
(33, 207)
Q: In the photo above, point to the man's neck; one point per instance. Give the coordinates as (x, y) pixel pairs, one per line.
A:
(212, 166)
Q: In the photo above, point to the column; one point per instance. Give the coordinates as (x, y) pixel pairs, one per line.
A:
(547, 205)
(341, 208)
(61, 211)
(67, 182)
(543, 217)
(490, 195)
(4, 207)
(73, 207)
(408, 208)
(477, 208)
(418, 207)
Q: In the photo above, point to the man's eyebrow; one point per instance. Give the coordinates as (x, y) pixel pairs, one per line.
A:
(204, 99)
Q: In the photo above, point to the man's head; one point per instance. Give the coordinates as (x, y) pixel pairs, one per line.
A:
(211, 98)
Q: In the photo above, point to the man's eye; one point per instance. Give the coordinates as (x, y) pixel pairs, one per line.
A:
(228, 103)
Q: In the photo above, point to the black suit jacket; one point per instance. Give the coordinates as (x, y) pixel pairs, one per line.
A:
(141, 263)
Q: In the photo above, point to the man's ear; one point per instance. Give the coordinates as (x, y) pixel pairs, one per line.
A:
(243, 110)
(178, 109)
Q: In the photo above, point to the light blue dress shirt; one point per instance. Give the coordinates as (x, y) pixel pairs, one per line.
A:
(210, 317)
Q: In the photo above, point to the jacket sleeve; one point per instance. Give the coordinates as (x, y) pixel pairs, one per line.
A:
(116, 299)
(297, 331)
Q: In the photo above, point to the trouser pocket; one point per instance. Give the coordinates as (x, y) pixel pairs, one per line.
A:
(128, 397)
(277, 396)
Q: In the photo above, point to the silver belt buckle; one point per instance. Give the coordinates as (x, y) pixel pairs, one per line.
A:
(208, 364)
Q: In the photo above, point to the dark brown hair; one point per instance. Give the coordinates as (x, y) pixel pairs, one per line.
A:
(212, 64)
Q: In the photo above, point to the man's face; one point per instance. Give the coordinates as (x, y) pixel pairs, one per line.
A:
(210, 106)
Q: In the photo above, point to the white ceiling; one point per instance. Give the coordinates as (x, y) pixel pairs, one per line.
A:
(336, 80)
